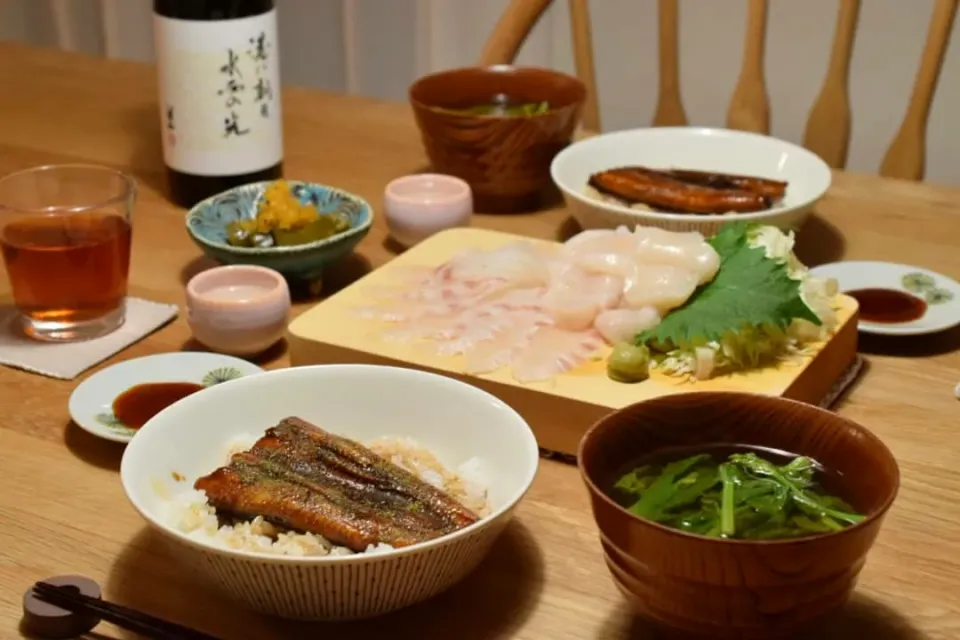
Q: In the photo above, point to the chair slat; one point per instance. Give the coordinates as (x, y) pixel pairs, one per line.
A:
(828, 126)
(63, 24)
(669, 111)
(906, 157)
(749, 106)
(581, 32)
(511, 31)
(829, 123)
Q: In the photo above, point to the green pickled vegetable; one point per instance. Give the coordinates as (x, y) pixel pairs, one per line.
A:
(743, 496)
(283, 220)
(237, 236)
(629, 363)
(325, 226)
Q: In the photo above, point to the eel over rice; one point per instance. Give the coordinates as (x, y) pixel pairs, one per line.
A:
(301, 477)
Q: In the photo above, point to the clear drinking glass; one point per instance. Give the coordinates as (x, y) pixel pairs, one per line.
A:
(65, 237)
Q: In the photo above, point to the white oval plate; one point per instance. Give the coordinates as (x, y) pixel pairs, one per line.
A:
(901, 277)
(91, 403)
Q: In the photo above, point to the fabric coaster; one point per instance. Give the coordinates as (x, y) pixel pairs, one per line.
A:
(67, 360)
(841, 386)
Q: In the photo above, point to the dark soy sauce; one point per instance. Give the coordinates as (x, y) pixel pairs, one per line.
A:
(135, 406)
(888, 306)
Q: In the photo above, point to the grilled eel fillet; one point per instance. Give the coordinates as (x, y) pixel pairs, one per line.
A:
(683, 192)
(301, 477)
(774, 189)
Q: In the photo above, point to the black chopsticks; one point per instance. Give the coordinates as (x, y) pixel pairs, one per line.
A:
(130, 619)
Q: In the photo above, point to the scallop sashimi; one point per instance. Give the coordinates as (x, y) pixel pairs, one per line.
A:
(542, 310)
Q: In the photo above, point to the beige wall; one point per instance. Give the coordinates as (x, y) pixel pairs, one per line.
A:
(377, 47)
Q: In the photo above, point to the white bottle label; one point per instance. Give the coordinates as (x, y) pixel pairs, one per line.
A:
(219, 91)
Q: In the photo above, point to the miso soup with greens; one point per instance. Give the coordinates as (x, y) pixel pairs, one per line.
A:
(735, 492)
(502, 105)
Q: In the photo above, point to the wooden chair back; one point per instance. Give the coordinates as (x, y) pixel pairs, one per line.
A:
(828, 124)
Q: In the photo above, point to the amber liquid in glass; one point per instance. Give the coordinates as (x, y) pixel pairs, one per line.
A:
(67, 268)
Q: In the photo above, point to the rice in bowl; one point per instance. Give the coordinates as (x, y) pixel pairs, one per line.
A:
(190, 513)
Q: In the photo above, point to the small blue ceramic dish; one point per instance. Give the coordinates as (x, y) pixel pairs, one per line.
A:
(207, 225)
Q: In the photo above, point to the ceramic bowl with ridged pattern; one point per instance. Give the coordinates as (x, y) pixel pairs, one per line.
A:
(455, 421)
(735, 589)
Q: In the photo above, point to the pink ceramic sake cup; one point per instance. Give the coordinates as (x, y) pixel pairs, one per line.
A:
(420, 205)
(238, 309)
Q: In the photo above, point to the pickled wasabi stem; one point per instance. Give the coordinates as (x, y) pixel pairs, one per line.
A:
(751, 347)
(629, 363)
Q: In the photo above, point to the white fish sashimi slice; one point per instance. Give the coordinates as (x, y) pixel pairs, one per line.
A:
(425, 292)
(602, 251)
(425, 302)
(443, 327)
(519, 263)
(490, 355)
(413, 274)
(623, 325)
(477, 331)
(663, 287)
(404, 311)
(436, 328)
(575, 297)
(553, 351)
(519, 299)
(407, 279)
(687, 250)
(486, 327)
(455, 291)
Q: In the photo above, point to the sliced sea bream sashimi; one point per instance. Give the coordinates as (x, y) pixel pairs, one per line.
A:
(541, 309)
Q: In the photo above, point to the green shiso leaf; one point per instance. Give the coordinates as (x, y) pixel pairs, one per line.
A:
(750, 290)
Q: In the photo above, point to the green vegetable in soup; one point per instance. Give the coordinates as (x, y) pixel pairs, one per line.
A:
(743, 496)
(629, 363)
(503, 108)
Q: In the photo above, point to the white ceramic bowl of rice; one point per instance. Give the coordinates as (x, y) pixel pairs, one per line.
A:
(695, 148)
(449, 433)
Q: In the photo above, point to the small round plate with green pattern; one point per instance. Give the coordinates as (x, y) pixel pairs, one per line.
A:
(937, 309)
(91, 403)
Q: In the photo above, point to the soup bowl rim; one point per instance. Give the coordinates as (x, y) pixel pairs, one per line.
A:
(495, 69)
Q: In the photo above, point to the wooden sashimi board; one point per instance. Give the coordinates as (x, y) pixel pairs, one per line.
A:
(559, 411)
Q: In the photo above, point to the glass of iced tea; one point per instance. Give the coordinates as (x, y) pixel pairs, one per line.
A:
(65, 237)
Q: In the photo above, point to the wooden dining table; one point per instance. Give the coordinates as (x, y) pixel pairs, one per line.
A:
(63, 510)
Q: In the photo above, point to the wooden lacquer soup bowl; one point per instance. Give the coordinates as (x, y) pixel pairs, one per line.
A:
(728, 588)
(504, 158)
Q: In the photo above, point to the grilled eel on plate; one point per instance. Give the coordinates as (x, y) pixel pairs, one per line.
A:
(683, 191)
(301, 477)
(773, 189)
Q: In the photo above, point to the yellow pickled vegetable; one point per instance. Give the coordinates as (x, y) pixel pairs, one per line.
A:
(282, 220)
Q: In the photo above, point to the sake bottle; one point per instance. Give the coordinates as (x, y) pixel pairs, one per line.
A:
(218, 69)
